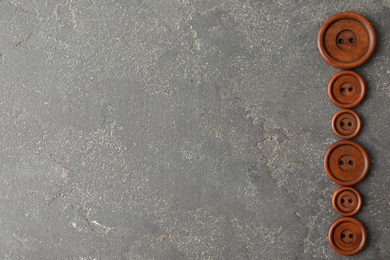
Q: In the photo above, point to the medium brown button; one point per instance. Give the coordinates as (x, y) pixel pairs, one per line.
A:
(346, 124)
(346, 201)
(346, 40)
(346, 163)
(347, 236)
(346, 89)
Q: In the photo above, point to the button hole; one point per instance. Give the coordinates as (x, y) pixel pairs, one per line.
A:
(350, 162)
(341, 41)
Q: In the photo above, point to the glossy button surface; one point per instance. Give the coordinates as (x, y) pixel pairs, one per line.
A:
(346, 163)
(347, 236)
(346, 124)
(346, 40)
(346, 89)
(346, 201)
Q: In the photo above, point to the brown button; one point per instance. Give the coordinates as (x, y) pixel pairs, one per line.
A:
(346, 163)
(346, 89)
(346, 201)
(346, 124)
(347, 236)
(346, 40)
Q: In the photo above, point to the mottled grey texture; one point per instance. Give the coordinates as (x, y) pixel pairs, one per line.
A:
(179, 129)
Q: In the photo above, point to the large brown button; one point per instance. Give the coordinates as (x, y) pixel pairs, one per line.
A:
(346, 163)
(346, 124)
(346, 201)
(347, 236)
(346, 40)
(346, 89)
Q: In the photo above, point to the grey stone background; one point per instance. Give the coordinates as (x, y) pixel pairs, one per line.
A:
(179, 129)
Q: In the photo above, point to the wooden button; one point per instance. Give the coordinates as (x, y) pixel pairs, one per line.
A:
(346, 163)
(346, 201)
(346, 40)
(347, 236)
(346, 89)
(346, 124)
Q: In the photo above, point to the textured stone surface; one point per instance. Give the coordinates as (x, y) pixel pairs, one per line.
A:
(178, 129)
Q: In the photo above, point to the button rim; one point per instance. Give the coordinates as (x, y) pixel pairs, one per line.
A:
(330, 150)
(353, 221)
(334, 202)
(355, 133)
(333, 80)
(343, 15)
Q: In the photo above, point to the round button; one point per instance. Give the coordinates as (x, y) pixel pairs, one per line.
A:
(347, 236)
(346, 124)
(346, 201)
(346, 163)
(346, 89)
(346, 40)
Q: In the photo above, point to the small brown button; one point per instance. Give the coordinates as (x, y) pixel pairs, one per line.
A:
(346, 124)
(347, 236)
(346, 201)
(346, 163)
(346, 89)
(346, 40)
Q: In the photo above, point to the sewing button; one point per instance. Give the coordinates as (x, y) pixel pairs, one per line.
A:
(347, 236)
(346, 89)
(346, 124)
(346, 201)
(346, 40)
(346, 163)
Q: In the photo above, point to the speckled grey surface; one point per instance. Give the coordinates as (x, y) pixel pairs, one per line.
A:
(179, 129)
